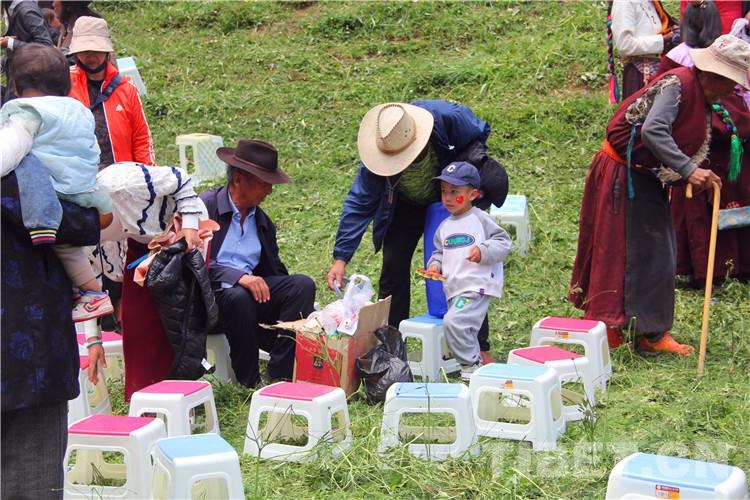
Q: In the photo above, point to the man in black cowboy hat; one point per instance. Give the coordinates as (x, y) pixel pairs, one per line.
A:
(251, 283)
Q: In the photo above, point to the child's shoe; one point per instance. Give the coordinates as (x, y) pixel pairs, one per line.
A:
(467, 370)
(91, 305)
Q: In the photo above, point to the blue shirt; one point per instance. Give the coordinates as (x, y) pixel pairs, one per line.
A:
(241, 247)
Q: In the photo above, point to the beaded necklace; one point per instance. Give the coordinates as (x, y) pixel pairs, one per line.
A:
(735, 158)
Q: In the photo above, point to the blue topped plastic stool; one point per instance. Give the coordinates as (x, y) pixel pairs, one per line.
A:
(643, 475)
(201, 465)
(433, 354)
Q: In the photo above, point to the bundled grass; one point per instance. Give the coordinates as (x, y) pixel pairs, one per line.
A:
(302, 75)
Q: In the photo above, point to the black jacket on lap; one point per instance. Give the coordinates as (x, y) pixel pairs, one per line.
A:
(181, 289)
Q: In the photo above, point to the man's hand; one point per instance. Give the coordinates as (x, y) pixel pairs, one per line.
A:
(475, 255)
(257, 286)
(4, 41)
(702, 178)
(96, 361)
(338, 269)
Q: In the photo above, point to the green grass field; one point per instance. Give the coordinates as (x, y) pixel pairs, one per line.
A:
(301, 75)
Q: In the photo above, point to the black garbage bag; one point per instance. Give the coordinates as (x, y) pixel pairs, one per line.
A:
(385, 364)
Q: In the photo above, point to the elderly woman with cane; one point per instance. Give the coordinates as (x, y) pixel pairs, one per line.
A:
(624, 267)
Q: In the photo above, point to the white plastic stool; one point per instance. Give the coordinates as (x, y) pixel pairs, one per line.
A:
(515, 212)
(570, 367)
(217, 353)
(434, 399)
(434, 353)
(207, 165)
(91, 437)
(175, 399)
(126, 66)
(93, 399)
(112, 344)
(281, 402)
(643, 475)
(501, 394)
(204, 462)
(592, 335)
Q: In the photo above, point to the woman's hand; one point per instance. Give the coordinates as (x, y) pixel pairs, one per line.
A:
(191, 238)
(96, 361)
(702, 179)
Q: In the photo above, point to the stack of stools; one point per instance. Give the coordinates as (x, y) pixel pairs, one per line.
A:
(93, 399)
(177, 400)
(518, 402)
(643, 475)
(197, 466)
(91, 437)
(434, 353)
(570, 367)
(592, 335)
(284, 402)
(112, 344)
(434, 400)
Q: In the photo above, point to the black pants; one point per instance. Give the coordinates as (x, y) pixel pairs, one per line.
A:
(395, 276)
(33, 446)
(292, 298)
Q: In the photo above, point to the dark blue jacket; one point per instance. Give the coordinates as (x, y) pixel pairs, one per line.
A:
(220, 210)
(39, 348)
(455, 128)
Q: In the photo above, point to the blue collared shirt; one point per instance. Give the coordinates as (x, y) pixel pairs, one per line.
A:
(241, 247)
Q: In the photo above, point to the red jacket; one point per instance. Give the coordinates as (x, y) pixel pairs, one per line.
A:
(126, 122)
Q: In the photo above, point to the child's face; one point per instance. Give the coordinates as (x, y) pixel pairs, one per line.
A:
(457, 199)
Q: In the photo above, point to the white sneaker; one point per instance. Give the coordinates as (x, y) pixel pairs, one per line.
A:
(467, 370)
(91, 305)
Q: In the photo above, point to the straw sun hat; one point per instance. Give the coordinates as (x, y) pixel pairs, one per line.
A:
(90, 33)
(392, 135)
(728, 56)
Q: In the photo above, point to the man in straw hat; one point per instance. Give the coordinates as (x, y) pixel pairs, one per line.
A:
(625, 265)
(251, 283)
(402, 147)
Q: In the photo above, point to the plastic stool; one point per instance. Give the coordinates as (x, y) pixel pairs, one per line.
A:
(502, 394)
(643, 475)
(592, 335)
(204, 462)
(91, 437)
(318, 404)
(515, 212)
(112, 344)
(176, 399)
(434, 352)
(126, 66)
(432, 399)
(93, 399)
(570, 367)
(217, 353)
(207, 165)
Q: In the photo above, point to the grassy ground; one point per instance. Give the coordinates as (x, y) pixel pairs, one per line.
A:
(302, 75)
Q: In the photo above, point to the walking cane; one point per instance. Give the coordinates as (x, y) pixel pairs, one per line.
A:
(709, 274)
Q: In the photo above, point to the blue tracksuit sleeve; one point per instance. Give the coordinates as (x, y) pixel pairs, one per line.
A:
(360, 206)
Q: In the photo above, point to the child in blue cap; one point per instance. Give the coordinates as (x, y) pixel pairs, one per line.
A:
(469, 250)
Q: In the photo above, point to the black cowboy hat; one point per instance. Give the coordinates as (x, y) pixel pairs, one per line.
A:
(255, 157)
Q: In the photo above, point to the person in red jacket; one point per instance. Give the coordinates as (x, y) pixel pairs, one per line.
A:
(121, 126)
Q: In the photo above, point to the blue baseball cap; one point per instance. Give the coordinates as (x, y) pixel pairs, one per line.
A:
(460, 173)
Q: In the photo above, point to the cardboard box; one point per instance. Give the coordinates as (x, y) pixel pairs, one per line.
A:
(321, 359)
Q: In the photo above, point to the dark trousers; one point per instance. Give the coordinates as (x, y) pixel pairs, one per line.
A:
(33, 447)
(292, 298)
(399, 244)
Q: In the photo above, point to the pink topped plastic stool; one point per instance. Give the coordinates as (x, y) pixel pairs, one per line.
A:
(89, 438)
(571, 368)
(93, 399)
(592, 335)
(178, 401)
(272, 432)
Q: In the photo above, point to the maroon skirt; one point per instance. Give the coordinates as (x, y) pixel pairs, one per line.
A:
(148, 353)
